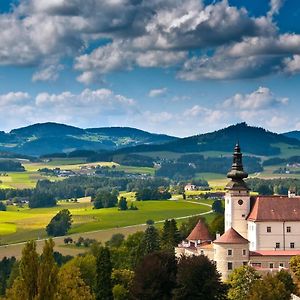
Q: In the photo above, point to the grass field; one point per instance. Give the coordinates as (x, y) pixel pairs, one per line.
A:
(20, 224)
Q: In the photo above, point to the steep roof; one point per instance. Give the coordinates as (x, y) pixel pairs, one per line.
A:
(200, 232)
(231, 236)
(275, 208)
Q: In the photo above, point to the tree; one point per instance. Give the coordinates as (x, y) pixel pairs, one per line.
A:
(170, 235)
(218, 207)
(6, 267)
(151, 240)
(295, 266)
(116, 240)
(25, 285)
(87, 267)
(197, 278)
(122, 281)
(217, 225)
(60, 223)
(105, 199)
(241, 281)
(47, 275)
(155, 277)
(41, 199)
(122, 204)
(103, 274)
(2, 206)
(269, 288)
(71, 286)
(286, 278)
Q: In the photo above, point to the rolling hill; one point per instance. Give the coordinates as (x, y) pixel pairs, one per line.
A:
(254, 140)
(293, 134)
(45, 138)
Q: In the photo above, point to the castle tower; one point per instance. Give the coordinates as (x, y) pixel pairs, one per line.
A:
(237, 198)
(231, 251)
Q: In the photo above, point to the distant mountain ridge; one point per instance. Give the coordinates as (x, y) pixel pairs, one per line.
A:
(293, 134)
(45, 138)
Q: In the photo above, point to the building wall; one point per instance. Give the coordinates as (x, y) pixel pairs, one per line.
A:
(265, 261)
(260, 239)
(237, 258)
(235, 213)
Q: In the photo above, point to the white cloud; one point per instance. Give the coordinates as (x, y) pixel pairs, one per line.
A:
(157, 92)
(292, 65)
(13, 98)
(260, 99)
(47, 73)
(275, 6)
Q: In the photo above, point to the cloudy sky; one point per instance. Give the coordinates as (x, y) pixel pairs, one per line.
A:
(180, 67)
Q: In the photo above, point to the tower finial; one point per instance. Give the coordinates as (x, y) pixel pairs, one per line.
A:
(237, 170)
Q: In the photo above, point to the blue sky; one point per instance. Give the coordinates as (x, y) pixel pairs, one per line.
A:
(179, 67)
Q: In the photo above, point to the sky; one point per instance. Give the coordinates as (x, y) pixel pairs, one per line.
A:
(180, 67)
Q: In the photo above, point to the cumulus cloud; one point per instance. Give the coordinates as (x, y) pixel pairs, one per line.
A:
(260, 99)
(102, 105)
(47, 73)
(275, 6)
(157, 92)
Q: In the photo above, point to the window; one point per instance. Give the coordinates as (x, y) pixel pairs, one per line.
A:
(243, 216)
(269, 229)
(229, 252)
(202, 252)
(255, 264)
(277, 245)
(244, 252)
(281, 265)
(245, 263)
(271, 265)
(292, 245)
(229, 265)
(288, 229)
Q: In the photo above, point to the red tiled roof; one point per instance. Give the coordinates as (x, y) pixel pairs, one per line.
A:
(275, 208)
(275, 253)
(231, 237)
(200, 232)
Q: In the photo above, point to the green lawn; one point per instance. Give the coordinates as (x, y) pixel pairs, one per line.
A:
(22, 224)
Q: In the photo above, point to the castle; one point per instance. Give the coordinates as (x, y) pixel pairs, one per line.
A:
(261, 231)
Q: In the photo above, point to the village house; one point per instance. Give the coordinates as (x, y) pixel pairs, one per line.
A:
(261, 231)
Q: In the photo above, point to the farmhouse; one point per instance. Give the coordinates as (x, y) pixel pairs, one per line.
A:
(261, 231)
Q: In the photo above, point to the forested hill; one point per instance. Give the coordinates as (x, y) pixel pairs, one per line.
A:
(45, 138)
(254, 140)
(293, 134)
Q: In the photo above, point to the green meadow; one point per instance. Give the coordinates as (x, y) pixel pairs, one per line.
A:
(21, 224)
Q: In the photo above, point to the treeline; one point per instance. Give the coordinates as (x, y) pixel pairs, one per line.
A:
(279, 160)
(11, 166)
(187, 166)
(46, 193)
(278, 186)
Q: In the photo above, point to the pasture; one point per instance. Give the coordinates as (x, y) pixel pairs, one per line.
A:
(21, 224)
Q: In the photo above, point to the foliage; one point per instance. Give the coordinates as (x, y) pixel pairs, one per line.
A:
(241, 281)
(217, 225)
(155, 277)
(87, 266)
(151, 240)
(122, 204)
(170, 236)
(217, 206)
(269, 288)
(40, 199)
(286, 278)
(60, 223)
(103, 289)
(116, 240)
(2, 206)
(152, 194)
(197, 278)
(71, 286)
(295, 266)
(122, 280)
(105, 199)
(11, 166)
(6, 266)
(47, 275)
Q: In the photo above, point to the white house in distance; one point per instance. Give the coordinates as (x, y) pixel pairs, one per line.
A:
(261, 231)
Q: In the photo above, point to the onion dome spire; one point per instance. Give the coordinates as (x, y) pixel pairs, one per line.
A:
(237, 170)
